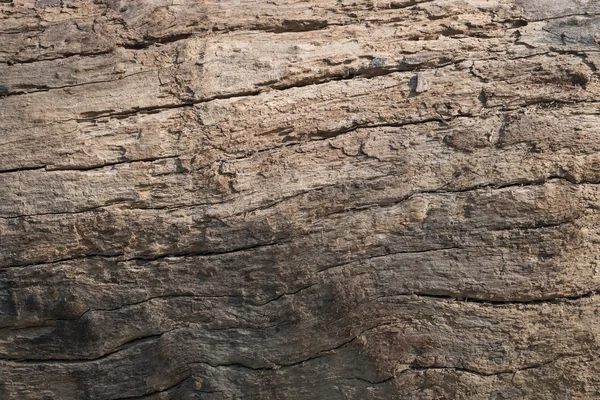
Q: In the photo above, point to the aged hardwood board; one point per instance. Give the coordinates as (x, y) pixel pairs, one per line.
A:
(299, 199)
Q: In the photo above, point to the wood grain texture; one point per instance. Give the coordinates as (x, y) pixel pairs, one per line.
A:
(323, 199)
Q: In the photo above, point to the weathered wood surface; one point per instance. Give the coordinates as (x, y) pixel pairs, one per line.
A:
(324, 199)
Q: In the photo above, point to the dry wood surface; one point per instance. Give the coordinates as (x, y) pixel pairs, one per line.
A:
(299, 199)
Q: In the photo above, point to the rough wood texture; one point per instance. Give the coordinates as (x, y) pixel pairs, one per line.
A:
(299, 199)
